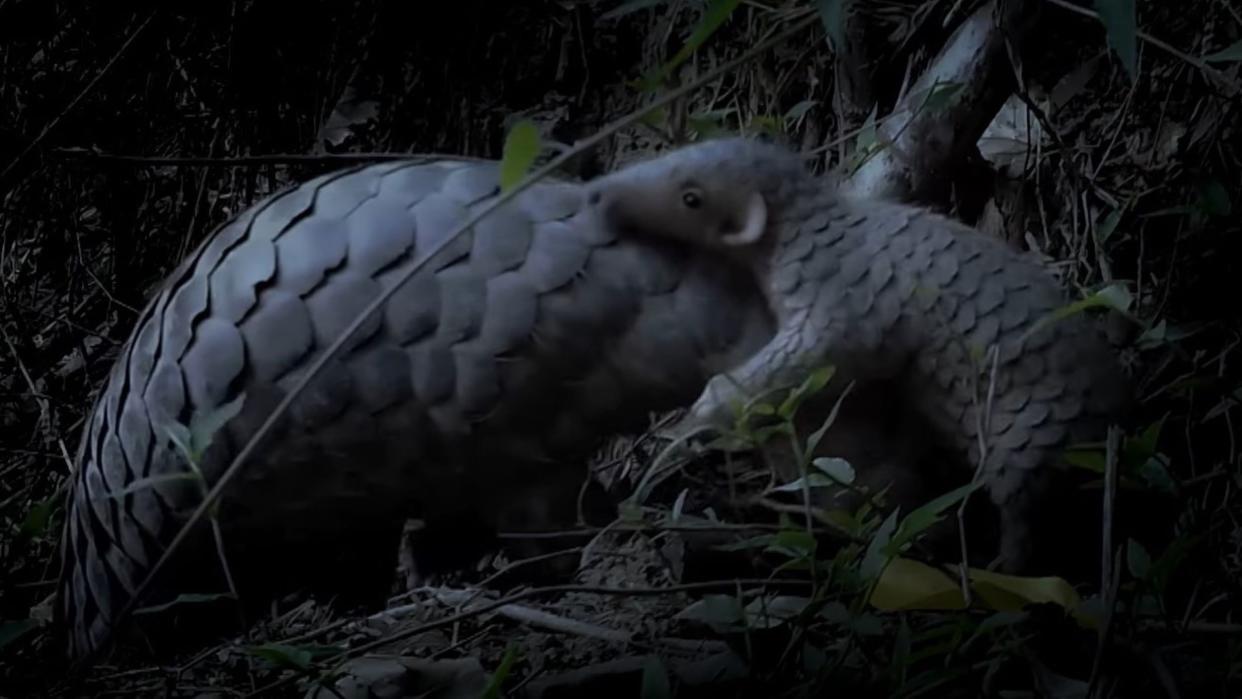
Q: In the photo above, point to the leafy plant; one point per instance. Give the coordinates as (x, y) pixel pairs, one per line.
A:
(520, 152)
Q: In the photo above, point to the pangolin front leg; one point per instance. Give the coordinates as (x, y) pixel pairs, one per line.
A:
(884, 291)
(790, 354)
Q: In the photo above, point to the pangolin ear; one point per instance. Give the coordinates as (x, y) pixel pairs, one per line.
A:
(756, 222)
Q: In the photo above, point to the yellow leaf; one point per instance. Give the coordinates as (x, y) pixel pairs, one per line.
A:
(907, 584)
(910, 585)
(1011, 592)
(520, 152)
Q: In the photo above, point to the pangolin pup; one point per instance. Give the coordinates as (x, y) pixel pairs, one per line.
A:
(884, 290)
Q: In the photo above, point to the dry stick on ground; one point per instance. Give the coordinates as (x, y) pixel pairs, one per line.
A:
(516, 597)
(343, 337)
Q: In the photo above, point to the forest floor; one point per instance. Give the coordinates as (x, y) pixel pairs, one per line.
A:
(133, 133)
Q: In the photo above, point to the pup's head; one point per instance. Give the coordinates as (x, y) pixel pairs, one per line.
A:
(722, 193)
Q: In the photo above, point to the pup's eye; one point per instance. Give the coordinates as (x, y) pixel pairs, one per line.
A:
(691, 199)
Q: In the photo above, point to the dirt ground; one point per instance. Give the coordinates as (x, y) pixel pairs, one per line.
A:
(134, 131)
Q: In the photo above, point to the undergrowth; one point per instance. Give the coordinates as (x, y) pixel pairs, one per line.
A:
(129, 140)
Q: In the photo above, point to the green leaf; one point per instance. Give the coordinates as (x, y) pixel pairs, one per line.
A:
(836, 614)
(39, 518)
(910, 584)
(771, 612)
(180, 436)
(766, 124)
(920, 519)
(281, 655)
(1137, 559)
(1223, 406)
(812, 442)
(907, 584)
(799, 110)
(1226, 55)
(492, 690)
(722, 613)
(717, 12)
(876, 558)
(655, 682)
(1087, 459)
(938, 97)
(1145, 444)
(655, 118)
(837, 469)
(813, 481)
(1171, 560)
(193, 441)
(812, 384)
(1114, 296)
(1214, 199)
(762, 409)
(795, 543)
(1157, 477)
(1105, 229)
(710, 122)
(1162, 334)
(832, 15)
(11, 631)
(1121, 27)
(679, 505)
(204, 427)
(866, 143)
(520, 151)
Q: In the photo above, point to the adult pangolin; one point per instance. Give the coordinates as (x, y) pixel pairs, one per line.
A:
(886, 291)
(497, 368)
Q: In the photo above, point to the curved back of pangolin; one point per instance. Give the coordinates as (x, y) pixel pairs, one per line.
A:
(534, 337)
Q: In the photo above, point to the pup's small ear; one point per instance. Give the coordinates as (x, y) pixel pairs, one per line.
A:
(754, 225)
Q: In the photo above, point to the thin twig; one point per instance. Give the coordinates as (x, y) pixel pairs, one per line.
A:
(1112, 450)
(526, 615)
(364, 316)
(74, 102)
(1110, 604)
(249, 160)
(44, 409)
(983, 424)
(535, 592)
(1178, 53)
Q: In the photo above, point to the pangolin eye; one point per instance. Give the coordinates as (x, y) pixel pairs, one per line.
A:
(692, 199)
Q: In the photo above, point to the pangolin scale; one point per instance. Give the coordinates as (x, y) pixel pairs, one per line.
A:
(515, 352)
(522, 347)
(887, 291)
